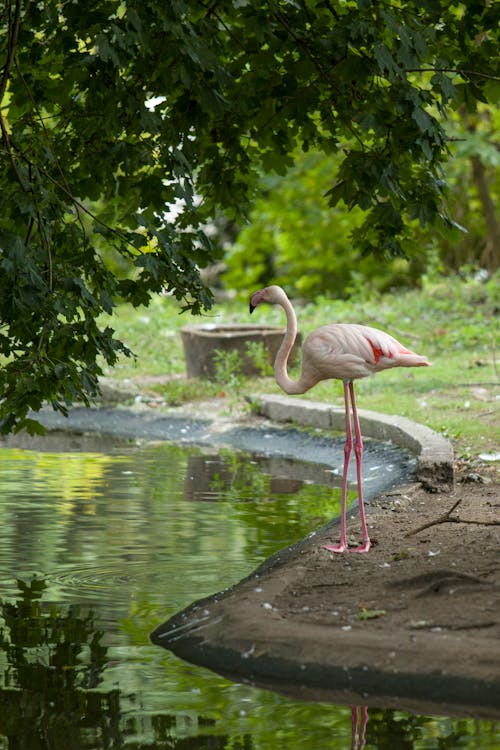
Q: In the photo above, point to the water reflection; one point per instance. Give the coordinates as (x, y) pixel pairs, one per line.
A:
(98, 547)
(359, 731)
(53, 675)
(54, 662)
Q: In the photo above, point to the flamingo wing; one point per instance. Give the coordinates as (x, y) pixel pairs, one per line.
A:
(350, 351)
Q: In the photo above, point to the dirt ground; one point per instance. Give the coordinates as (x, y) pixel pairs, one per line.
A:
(415, 623)
(445, 576)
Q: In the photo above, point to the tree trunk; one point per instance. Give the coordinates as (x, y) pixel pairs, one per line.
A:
(490, 258)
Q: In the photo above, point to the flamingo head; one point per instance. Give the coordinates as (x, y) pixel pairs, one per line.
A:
(271, 294)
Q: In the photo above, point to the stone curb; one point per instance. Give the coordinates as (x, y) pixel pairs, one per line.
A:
(433, 451)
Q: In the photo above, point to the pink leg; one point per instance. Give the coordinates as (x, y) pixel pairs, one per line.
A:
(342, 546)
(354, 726)
(358, 449)
(362, 727)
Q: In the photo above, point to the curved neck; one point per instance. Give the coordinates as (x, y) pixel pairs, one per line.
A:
(281, 361)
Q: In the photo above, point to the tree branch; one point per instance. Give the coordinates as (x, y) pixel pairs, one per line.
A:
(448, 518)
(332, 10)
(14, 25)
(460, 71)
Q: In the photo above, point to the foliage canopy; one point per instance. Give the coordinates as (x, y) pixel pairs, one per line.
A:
(125, 128)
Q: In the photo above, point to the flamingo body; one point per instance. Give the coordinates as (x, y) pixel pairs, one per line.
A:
(341, 351)
(346, 352)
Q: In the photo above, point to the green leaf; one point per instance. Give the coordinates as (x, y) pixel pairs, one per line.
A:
(370, 614)
(386, 62)
(33, 427)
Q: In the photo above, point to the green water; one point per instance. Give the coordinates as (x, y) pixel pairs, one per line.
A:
(98, 548)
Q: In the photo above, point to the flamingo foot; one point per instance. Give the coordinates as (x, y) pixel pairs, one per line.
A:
(344, 548)
(335, 547)
(365, 547)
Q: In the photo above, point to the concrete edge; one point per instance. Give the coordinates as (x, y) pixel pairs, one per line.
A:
(433, 451)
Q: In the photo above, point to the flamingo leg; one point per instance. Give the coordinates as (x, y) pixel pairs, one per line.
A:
(362, 727)
(354, 727)
(358, 449)
(349, 398)
(342, 546)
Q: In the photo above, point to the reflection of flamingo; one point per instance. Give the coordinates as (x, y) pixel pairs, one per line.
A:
(344, 352)
(362, 727)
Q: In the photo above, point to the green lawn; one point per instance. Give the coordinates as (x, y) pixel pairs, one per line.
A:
(453, 322)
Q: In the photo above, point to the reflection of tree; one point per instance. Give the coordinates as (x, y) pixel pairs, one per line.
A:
(297, 505)
(50, 697)
(397, 729)
(53, 658)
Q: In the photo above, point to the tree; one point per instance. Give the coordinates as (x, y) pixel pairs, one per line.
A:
(290, 216)
(295, 240)
(111, 111)
(474, 179)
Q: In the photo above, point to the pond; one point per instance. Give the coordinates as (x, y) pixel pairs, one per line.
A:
(103, 541)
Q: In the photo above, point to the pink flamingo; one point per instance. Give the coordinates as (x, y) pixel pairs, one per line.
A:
(344, 352)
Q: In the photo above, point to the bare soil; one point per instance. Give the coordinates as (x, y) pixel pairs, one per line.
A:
(444, 577)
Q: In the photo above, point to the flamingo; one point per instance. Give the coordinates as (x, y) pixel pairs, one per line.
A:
(341, 351)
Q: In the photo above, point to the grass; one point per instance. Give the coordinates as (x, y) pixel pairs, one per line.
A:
(452, 321)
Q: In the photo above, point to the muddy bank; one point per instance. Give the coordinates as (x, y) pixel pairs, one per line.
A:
(415, 623)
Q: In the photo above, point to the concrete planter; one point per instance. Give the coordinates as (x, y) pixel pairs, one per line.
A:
(202, 341)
